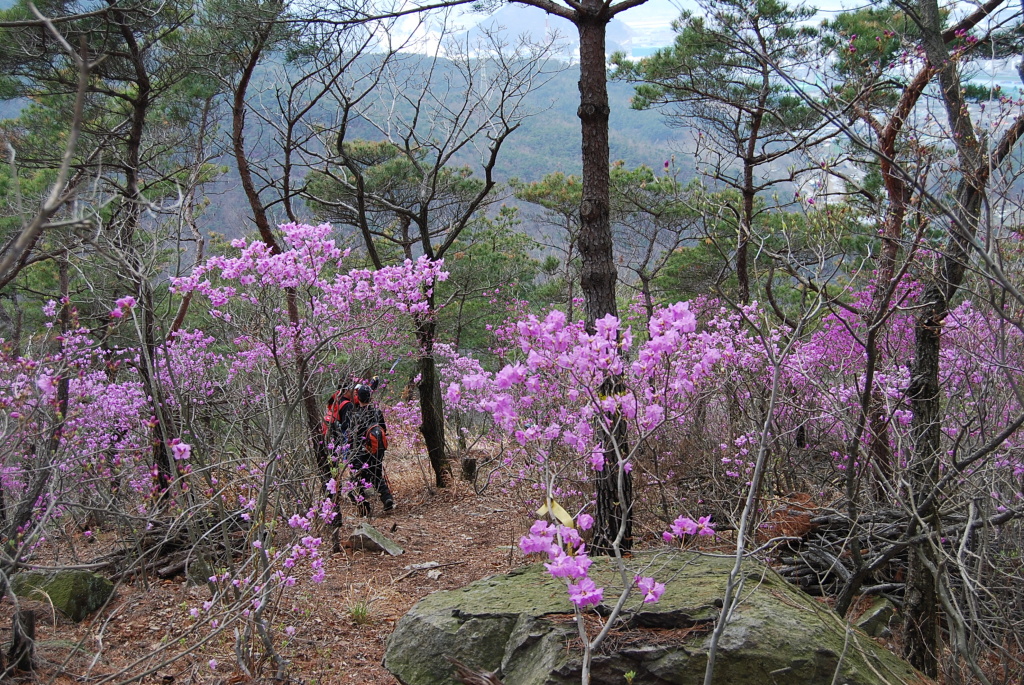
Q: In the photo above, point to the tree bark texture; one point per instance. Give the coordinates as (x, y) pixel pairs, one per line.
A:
(431, 403)
(598, 274)
(747, 216)
(921, 632)
(22, 654)
(614, 507)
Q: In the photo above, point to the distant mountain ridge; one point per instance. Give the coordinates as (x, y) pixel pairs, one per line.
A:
(546, 143)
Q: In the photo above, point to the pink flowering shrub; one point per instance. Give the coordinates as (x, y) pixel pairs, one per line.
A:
(825, 379)
(690, 387)
(346, 317)
(86, 450)
(229, 404)
(568, 558)
(699, 370)
(550, 409)
(684, 526)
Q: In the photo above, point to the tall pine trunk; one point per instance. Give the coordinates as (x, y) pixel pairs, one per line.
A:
(614, 486)
(921, 638)
(921, 633)
(126, 239)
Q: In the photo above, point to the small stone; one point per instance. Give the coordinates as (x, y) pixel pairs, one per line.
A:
(368, 538)
(420, 567)
(875, 621)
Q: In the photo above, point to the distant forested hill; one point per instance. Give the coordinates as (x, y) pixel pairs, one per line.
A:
(549, 141)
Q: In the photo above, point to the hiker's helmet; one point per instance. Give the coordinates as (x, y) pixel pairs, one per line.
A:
(363, 393)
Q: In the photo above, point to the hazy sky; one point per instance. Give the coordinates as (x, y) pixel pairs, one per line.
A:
(667, 10)
(647, 17)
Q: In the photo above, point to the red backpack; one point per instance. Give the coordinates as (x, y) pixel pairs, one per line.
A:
(333, 414)
(370, 422)
(376, 440)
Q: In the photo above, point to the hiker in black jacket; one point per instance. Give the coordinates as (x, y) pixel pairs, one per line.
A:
(336, 435)
(368, 443)
(338, 416)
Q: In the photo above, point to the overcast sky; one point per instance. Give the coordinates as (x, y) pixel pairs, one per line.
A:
(667, 10)
(648, 16)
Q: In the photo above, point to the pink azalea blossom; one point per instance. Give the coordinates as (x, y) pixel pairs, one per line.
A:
(652, 589)
(46, 385)
(585, 593)
(566, 566)
(684, 525)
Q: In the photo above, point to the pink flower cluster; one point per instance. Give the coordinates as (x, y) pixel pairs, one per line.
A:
(219, 388)
(553, 397)
(684, 526)
(567, 556)
(573, 565)
(121, 305)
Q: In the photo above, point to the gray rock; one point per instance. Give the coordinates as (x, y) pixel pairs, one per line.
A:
(875, 621)
(76, 594)
(198, 571)
(368, 538)
(522, 627)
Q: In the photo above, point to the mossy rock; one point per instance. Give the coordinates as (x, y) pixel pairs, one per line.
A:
(521, 627)
(875, 621)
(198, 572)
(76, 594)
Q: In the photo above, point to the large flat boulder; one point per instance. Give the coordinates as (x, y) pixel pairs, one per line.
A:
(520, 626)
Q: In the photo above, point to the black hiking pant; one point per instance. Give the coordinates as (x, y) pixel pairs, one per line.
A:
(368, 469)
